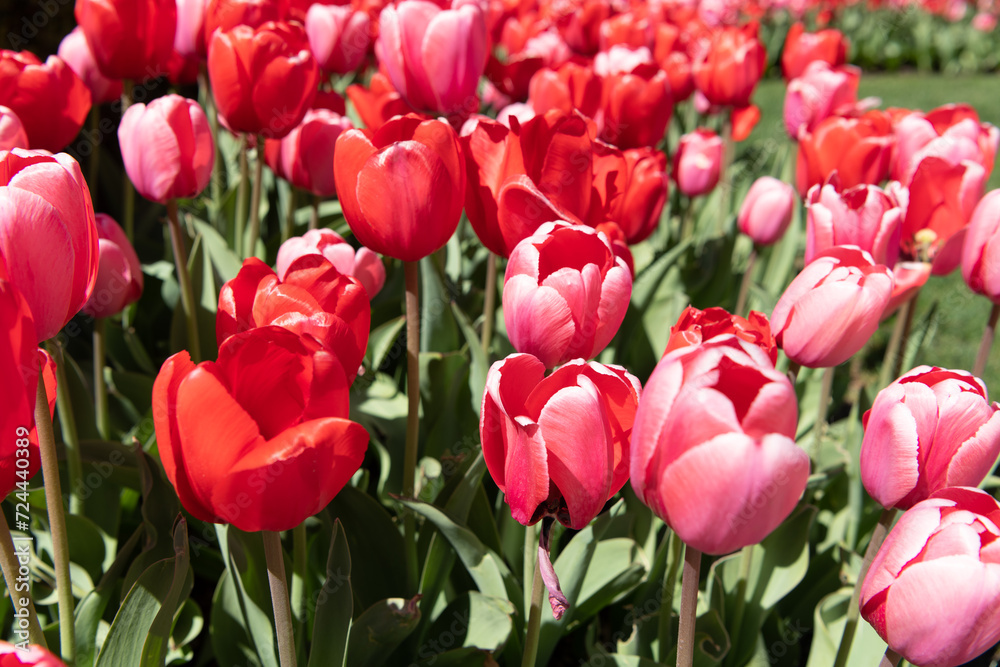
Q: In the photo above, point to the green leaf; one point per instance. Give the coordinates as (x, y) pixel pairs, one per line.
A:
(334, 606)
(472, 620)
(384, 341)
(380, 629)
(249, 570)
(618, 566)
(829, 620)
(154, 652)
(231, 642)
(480, 364)
(187, 626)
(438, 331)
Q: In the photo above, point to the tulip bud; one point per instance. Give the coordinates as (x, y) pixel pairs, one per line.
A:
(767, 210)
(224, 15)
(130, 39)
(76, 53)
(339, 36)
(728, 69)
(698, 162)
(364, 265)
(12, 134)
(119, 274)
(818, 93)
(51, 101)
(933, 591)
(804, 48)
(630, 187)
(305, 155)
(864, 216)
(858, 149)
(832, 307)
(565, 293)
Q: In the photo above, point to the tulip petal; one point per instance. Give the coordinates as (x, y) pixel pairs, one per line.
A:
(538, 319)
(889, 451)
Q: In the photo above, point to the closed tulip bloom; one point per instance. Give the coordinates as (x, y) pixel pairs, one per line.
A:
(34, 656)
(189, 39)
(557, 446)
(981, 252)
(728, 69)
(864, 216)
(832, 307)
(767, 210)
(698, 162)
(167, 148)
(45, 212)
(952, 132)
(75, 52)
(12, 134)
(573, 86)
(119, 274)
(339, 36)
(401, 187)
(804, 48)
(49, 98)
(263, 79)
(224, 15)
(930, 429)
(818, 93)
(363, 265)
(304, 156)
(130, 39)
(313, 298)
(565, 293)
(933, 590)
(260, 438)
(713, 449)
(580, 21)
(630, 188)
(434, 56)
(695, 326)
(858, 149)
(619, 244)
(636, 105)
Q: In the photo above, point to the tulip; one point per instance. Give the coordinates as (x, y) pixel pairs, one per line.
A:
(713, 449)
(130, 39)
(818, 93)
(51, 101)
(339, 36)
(637, 105)
(698, 162)
(512, 77)
(434, 56)
(263, 79)
(364, 266)
(930, 429)
(696, 326)
(619, 244)
(75, 52)
(980, 256)
(952, 132)
(557, 446)
(630, 187)
(167, 148)
(767, 210)
(12, 134)
(189, 39)
(401, 187)
(832, 307)
(34, 656)
(224, 15)
(858, 149)
(933, 590)
(729, 67)
(45, 212)
(260, 438)
(377, 103)
(804, 48)
(864, 216)
(313, 298)
(633, 29)
(571, 87)
(579, 23)
(119, 274)
(305, 156)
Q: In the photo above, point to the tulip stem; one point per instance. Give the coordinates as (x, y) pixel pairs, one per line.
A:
(890, 659)
(70, 436)
(275, 559)
(129, 189)
(490, 303)
(664, 635)
(412, 272)
(741, 301)
(258, 172)
(987, 342)
(690, 582)
(184, 279)
(819, 428)
(100, 388)
(213, 121)
(57, 523)
(241, 199)
(537, 590)
(726, 182)
(289, 230)
(22, 603)
(894, 351)
(300, 571)
(853, 610)
(314, 213)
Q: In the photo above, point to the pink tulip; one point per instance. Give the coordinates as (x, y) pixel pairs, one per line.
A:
(952, 132)
(12, 134)
(363, 265)
(930, 429)
(713, 448)
(698, 162)
(820, 92)
(565, 293)
(119, 274)
(434, 57)
(832, 307)
(339, 36)
(33, 656)
(75, 51)
(48, 237)
(557, 446)
(167, 148)
(767, 210)
(189, 40)
(305, 155)
(865, 216)
(933, 590)
(981, 251)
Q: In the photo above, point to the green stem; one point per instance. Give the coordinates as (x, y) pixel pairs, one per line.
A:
(689, 606)
(94, 167)
(22, 602)
(275, 559)
(314, 213)
(535, 613)
(289, 230)
(664, 633)
(299, 573)
(725, 180)
(70, 436)
(57, 523)
(853, 610)
(893, 351)
(213, 121)
(184, 279)
(741, 301)
(100, 388)
(819, 429)
(129, 189)
(258, 171)
(241, 198)
(490, 303)
(412, 273)
(746, 559)
(986, 344)
(890, 659)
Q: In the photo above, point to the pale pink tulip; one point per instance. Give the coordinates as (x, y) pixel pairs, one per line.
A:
(698, 162)
(189, 40)
(952, 132)
(767, 210)
(305, 155)
(12, 134)
(339, 36)
(981, 251)
(820, 92)
(75, 51)
(864, 216)
(363, 265)
(119, 274)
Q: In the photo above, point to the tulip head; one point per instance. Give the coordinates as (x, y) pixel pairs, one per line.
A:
(363, 265)
(981, 252)
(697, 326)
(119, 274)
(49, 98)
(304, 157)
(804, 48)
(12, 134)
(767, 210)
(130, 39)
(863, 216)
(698, 162)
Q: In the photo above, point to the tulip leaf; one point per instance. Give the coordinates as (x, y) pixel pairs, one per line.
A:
(334, 606)
(225, 263)
(617, 660)
(830, 618)
(479, 365)
(438, 331)
(384, 342)
(618, 566)
(156, 647)
(472, 620)
(328, 210)
(205, 288)
(380, 629)
(231, 642)
(247, 565)
(459, 657)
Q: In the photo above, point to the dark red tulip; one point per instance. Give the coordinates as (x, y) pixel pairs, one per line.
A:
(130, 39)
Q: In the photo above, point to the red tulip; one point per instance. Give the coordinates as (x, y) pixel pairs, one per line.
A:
(224, 15)
(858, 149)
(863, 216)
(34, 656)
(619, 244)
(259, 439)
(571, 87)
(952, 132)
(767, 210)
(729, 67)
(434, 56)
(119, 274)
(981, 252)
(305, 156)
(565, 293)
(51, 101)
(130, 39)
(636, 104)
(513, 76)
(803, 48)
(12, 134)
(401, 187)
(377, 103)
(75, 52)
(630, 188)
(631, 28)
(579, 23)
(557, 446)
(167, 148)
(339, 36)
(363, 265)
(832, 307)
(933, 590)
(696, 326)
(698, 162)
(313, 298)
(45, 212)
(263, 79)
(713, 449)
(818, 93)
